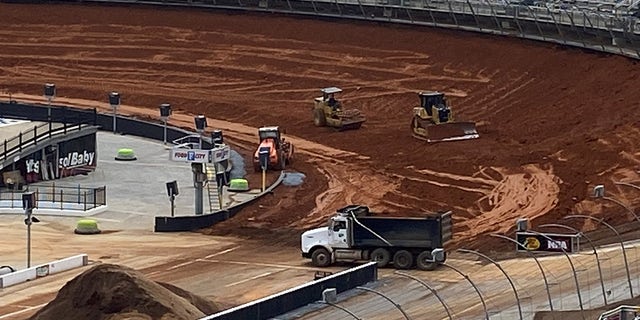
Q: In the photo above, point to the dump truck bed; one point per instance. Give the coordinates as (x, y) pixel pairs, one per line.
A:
(426, 232)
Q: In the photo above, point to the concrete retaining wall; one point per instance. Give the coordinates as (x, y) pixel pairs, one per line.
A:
(291, 299)
(188, 223)
(43, 270)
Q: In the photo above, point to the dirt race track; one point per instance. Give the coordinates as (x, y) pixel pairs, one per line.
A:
(553, 121)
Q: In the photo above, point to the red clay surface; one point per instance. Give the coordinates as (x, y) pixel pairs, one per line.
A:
(553, 122)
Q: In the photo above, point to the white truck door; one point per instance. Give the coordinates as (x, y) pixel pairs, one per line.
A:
(338, 234)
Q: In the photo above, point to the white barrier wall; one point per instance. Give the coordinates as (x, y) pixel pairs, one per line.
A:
(68, 263)
(43, 270)
(17, 277)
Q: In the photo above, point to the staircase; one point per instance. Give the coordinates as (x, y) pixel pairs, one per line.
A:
(212, 188)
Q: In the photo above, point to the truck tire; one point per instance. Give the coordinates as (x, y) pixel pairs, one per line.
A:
(321, 257)
(403, 259)
(424, 261)
(381, 256)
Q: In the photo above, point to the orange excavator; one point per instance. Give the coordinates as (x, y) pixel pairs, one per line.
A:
(271, 142)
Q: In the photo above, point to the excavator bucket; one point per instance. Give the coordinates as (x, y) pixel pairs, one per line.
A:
(452, 131)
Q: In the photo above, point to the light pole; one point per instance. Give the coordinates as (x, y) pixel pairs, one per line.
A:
(114, 101)
(49, 94)
(201, 125)
(172, 192)
(599, 193)
(575, 275)
(199, 176)
(624, 252)
(165, 112)
(595, 252)
(435, 293)
(515, 292)
(28, 203)
(386, 298)
(544, 276)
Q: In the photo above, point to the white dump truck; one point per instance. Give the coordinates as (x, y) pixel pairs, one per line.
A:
(355, 234)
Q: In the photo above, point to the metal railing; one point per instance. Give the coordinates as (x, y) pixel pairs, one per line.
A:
(76, 198)
(38, 134)
(614, 31)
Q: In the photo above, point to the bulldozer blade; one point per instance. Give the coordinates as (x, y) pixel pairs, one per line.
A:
(350, 125)
(452, 132)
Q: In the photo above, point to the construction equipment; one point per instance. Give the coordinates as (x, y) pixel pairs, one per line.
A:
(328, 111)
(354, 234)
(280, 151)
(433, 120)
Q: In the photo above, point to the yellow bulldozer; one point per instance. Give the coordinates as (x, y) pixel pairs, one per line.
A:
(433, 120)
(328, 111)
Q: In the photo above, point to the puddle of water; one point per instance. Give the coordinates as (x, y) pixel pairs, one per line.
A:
(293, 178)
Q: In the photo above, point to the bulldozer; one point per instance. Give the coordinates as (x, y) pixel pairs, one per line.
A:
(280, 151)
(328, 111)
(433, 120)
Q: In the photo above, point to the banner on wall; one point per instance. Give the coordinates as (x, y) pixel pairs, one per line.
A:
(77, 155)
(547, 242)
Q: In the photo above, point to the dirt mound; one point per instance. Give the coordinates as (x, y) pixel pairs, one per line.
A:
(114, 292)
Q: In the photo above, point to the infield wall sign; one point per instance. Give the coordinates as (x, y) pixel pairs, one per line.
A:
(547, 242)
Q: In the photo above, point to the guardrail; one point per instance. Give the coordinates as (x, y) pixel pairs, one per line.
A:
(589, 28)
(57, 197)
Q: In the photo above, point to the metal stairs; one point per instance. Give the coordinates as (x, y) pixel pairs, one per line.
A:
(212, 188)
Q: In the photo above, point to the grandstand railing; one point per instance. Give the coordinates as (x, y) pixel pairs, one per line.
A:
(599, 25)
(38, 134)
(74, 198)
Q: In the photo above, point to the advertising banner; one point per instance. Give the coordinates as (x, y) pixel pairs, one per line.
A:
(77, 155)
(220, 154)
(190, 155)
(550, 242)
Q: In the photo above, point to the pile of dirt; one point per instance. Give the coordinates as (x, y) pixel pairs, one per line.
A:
(114, 292)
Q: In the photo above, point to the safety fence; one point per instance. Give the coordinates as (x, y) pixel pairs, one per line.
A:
(587, 27)
(57, 197)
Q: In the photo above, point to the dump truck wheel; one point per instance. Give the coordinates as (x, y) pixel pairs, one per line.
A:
(424, 261)
(321, 257)
(403, 259)
(318, 118)
(381, 256)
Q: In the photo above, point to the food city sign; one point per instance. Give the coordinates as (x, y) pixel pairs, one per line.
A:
(190, 155)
